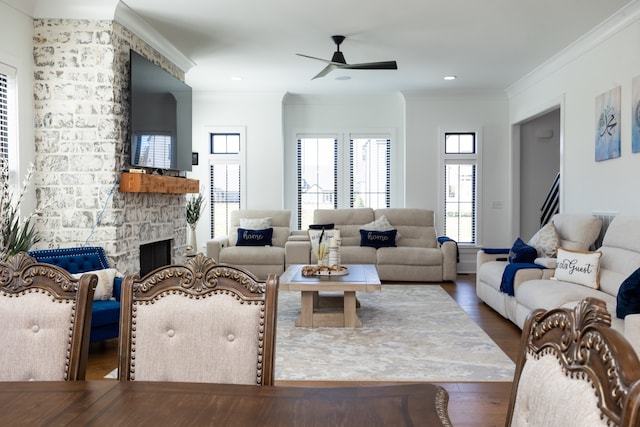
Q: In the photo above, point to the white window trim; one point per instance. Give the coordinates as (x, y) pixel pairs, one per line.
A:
(477, 157)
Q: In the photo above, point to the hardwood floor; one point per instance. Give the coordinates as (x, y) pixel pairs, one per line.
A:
(470, 404)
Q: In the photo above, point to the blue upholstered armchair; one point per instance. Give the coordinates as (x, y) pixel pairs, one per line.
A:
(106, 312)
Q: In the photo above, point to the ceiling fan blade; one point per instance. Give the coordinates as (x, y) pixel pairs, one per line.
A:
(386, 65)
(326, 70)
(320, 59)
(313, 57)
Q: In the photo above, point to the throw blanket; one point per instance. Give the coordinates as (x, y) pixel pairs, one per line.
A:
(509, 274)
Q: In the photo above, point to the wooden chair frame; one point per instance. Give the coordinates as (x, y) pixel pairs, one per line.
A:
(22, 273)
(200, 276)
(586, 347)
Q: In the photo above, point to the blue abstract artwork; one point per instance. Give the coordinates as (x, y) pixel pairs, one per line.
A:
(608, 125)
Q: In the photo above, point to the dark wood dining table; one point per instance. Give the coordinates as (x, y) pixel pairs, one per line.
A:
(137, 403)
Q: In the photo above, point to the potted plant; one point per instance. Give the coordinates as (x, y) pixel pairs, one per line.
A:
(195, 207)
(16, 234)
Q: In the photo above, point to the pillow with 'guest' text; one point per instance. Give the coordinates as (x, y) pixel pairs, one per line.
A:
(580, 267)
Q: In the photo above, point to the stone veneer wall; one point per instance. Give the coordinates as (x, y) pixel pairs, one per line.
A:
(81, 91)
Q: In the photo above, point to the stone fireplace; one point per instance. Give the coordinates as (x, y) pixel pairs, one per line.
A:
(81, 95)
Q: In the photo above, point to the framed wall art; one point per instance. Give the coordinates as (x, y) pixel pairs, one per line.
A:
(635, 115)
(608, 125)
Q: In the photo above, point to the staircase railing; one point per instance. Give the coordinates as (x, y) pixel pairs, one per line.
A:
(551, 205)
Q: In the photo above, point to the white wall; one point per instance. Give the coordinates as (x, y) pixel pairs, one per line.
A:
(261, 117)
(428, 116)
(16, 29)
(608, 57)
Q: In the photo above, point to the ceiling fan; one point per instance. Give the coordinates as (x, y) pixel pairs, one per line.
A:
(338, 61)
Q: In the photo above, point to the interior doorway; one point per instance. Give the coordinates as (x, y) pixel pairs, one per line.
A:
(539, 165)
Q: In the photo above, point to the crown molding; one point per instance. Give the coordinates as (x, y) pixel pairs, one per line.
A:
(110, 10)
(72, 9)
(141, 28)
(599, 34)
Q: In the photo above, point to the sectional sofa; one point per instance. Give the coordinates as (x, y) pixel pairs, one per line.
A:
(617, 281)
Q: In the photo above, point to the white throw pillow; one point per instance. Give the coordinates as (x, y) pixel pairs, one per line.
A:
(255, 223)
(104, 290)
(582, 268)
(380, 224)
(546, 241)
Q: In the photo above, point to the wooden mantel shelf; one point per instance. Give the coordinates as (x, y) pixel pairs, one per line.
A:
(147, 183)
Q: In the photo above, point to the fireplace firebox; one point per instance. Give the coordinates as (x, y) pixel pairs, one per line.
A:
(154, 255)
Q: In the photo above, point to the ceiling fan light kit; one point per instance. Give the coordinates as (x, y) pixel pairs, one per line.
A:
(338, 61)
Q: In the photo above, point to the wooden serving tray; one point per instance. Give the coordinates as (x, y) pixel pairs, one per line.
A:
(315, 270)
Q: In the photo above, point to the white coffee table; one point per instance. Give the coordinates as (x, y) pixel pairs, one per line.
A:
(314, 308)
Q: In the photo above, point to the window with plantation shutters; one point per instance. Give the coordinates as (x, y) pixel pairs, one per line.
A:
(460, 184)
(317, 176)
(370, 173)
(4, 114)
(225, 179)
(342, 171)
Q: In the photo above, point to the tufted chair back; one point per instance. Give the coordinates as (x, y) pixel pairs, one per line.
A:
(574, 370)
(198, 322)
(45, 320)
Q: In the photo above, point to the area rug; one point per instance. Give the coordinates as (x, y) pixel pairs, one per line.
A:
(409, 333)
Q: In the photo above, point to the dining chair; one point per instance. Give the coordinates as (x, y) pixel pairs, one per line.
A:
(198, 322)
(45, 321)
(574, 370)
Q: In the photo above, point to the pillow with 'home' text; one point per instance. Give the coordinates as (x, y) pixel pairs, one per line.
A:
(378, 239)
(580, 267)
(248, 237)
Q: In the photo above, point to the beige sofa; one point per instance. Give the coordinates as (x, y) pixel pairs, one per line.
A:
(418, 256)
(574, 232)
(259, 260)
(620, 257)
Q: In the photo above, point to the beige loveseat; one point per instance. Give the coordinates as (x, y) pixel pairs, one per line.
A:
(418, 256)
(259, 260)
(620, 258)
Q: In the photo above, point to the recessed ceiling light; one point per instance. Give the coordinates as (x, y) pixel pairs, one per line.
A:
(343, 78)
(450, 77)
(236, 78)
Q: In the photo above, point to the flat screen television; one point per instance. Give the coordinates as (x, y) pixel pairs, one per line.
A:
(160, 115)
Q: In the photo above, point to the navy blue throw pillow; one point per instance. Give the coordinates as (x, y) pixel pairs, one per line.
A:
(378, 239)
(628, 299)
(254, 237)
(522, 253)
